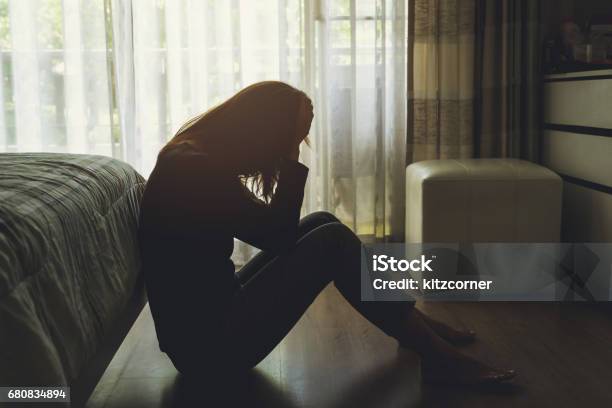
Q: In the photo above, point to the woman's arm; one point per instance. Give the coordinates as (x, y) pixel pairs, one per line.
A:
(273, 226)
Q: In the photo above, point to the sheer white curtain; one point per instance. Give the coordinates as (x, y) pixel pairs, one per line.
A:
(118, 77)
(56, 88)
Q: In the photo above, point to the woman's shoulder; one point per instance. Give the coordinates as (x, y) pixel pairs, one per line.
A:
(182, 153)
(184, 161)
(178, 148)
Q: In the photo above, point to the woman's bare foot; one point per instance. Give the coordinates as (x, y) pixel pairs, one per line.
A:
(441, 362)
(452, 367)
(453, 336)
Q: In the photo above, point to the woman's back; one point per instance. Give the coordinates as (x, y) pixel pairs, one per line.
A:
(185, 246)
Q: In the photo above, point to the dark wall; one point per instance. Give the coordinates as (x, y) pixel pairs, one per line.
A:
(555, 11)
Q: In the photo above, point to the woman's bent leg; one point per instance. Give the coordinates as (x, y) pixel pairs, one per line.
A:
(272, 301)
(307, 224)
(269, 304)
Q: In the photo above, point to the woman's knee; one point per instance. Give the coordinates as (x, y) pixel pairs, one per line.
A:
(326, 215)
(332, 234)
(319, 218)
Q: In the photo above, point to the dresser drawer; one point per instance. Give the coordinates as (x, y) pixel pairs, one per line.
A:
(583, 102)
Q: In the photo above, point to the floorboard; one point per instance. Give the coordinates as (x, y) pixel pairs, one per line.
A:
(334, 358)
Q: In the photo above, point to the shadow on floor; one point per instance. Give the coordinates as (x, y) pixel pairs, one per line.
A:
(395, 383)
(333, 358)
(254, 390)
(392, 384)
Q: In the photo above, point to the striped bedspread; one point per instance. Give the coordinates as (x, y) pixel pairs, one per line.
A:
(68, 260)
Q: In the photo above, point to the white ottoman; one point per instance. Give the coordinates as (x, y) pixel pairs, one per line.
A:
(482, 200)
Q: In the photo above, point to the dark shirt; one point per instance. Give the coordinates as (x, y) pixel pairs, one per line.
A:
(191, 211)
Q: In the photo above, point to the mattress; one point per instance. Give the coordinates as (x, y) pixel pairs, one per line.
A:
(69, 260)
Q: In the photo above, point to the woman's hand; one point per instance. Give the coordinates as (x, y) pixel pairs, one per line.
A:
(303, 122)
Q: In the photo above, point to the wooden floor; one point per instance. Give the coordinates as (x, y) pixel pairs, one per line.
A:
(334, 358)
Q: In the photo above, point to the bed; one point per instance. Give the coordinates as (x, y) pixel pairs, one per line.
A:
(70, 284)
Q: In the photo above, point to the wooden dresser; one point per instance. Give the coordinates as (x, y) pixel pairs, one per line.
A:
(577, 143)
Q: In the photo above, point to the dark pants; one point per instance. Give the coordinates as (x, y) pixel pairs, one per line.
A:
(277, 289)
